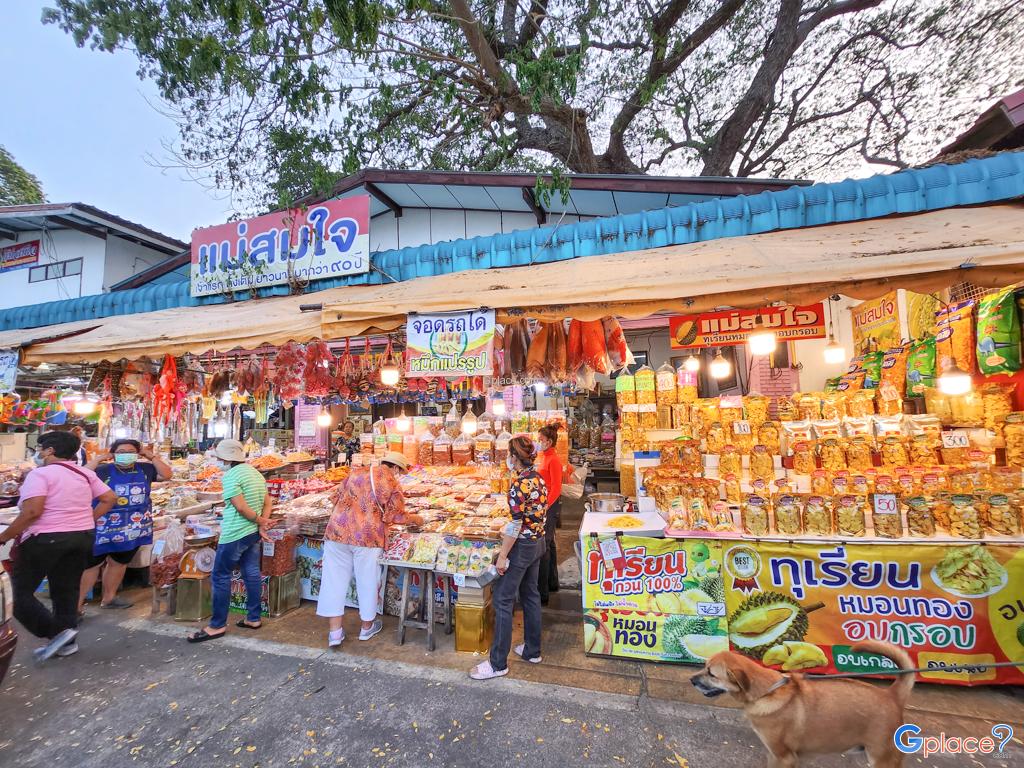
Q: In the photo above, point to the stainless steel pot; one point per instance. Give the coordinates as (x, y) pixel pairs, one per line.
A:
(606, 503)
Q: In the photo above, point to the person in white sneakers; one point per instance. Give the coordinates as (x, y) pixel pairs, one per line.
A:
(368, 502)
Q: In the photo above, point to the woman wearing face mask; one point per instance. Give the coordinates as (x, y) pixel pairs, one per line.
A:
(522, 546)
(54, 531)
(348, 443)
(129, 525)
(549, 466)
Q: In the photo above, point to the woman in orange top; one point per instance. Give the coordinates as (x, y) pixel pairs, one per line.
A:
(549, 466)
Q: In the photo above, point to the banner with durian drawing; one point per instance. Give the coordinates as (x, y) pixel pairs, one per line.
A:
(664, 601)
(954, 607)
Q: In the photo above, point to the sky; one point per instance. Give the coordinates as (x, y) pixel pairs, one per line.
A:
(85, 125)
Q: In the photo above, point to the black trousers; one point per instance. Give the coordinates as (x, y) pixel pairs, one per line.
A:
(60, 558)
(547, 577)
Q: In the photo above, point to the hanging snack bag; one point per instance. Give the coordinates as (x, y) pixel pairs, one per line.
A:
(998, 333)
(644, 380)
(853, 379)
(872, 364)
(921, 367)
(954, 336)
(894, 373)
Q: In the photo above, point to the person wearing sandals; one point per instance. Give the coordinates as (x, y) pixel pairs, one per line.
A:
(247, 507)
(367, 503)
(54, 534)
(518, 563)
(129, 525)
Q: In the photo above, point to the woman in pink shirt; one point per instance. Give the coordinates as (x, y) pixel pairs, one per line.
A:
(54, 534)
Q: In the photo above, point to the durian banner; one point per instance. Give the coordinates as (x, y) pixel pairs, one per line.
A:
(954, 607)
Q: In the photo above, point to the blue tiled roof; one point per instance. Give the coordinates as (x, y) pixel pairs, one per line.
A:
(942, 186)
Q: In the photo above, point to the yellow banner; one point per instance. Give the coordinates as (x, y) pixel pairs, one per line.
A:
(877, 319)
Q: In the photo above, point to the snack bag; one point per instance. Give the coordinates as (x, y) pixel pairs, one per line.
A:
(954, 336)
(625, 390)
(894, 373)
(872, 364)
(921, 367)
(754, 515)
(817, 519)
(998, 333)
(787, 516)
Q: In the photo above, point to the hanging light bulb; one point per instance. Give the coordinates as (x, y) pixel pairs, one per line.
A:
(498, 405)
(720, 368)
(389, 374)
(692, 363)
(540, 387)
(403, 422)
(954, 381)
(834, 351)
(762, 340)
(84, 407)
(219, 428)
(323, 419)
(225, 399)
(469, 423)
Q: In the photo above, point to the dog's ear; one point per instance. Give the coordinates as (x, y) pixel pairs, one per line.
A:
(739, 678)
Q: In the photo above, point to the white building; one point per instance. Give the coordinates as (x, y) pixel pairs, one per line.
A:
(55, 251)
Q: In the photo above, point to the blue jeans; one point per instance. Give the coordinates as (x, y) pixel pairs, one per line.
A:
(520, 579)
(244, 555)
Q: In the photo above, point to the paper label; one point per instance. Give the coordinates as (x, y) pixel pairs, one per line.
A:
(885, 504)
(268, 549)
(741, 427)
(956, 438)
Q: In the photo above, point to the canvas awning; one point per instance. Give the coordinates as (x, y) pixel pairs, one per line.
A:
(922, 252)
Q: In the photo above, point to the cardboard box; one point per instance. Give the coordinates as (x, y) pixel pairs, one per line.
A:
(474, 627)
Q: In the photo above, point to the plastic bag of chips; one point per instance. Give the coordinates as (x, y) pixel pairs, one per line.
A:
(921, 367)
(998, 333)
(954, 336)
(872, 365)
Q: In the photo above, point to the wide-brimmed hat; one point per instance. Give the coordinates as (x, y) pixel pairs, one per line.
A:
(230, 450)
(396, 458)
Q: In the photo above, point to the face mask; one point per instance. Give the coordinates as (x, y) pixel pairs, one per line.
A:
(125, 459)
(38, 459)
(509, 463)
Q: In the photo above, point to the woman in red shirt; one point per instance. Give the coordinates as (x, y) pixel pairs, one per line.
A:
(549, 467)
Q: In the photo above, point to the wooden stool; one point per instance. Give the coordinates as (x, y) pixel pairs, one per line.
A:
(165, 595)
(424, 618)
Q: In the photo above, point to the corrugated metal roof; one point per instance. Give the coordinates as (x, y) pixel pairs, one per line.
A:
(971, 183)
(35, 216)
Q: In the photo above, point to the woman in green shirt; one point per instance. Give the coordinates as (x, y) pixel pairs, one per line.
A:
(247, 507)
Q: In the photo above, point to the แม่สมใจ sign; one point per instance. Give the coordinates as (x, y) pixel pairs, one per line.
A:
(952, 607)
(451, 345)
(733, 327)
(877, 319)
(661, 601)
(329, 239)
(19, 256)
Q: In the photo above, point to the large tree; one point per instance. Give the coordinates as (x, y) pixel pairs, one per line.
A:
(17, 186)
(284, 94)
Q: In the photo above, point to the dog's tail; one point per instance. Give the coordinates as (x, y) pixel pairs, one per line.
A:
(904, 683)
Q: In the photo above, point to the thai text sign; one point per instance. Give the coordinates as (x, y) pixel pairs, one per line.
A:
(450, 345)
(19, 256)
(953, 607)
(733, 327)
(877, 319)
(330, 239)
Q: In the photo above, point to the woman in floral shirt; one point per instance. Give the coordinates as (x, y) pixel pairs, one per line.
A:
(522, 547)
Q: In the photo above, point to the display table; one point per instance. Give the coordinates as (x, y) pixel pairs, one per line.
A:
(800, 604)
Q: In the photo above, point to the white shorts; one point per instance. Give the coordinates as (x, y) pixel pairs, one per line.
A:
(340, 563)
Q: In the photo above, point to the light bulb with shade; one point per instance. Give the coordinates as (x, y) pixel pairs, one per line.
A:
(403, 422)
(389, 375)
(469, 423)
(323, 419)
(720, 368)
(954, 381)
(692, 364)
(834, 352)
(498, 406)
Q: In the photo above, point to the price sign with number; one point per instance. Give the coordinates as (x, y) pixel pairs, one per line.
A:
(886, 504)
(741, 427)
(611, 552)
(268, 549)
(956, 438)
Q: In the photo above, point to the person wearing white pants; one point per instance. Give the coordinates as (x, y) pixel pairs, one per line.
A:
(368, 502)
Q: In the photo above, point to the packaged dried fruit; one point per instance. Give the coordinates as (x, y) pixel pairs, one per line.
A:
(833, 405)
(968, 409)
(721, 518)
(425, 450)
(954, 336)
(908, 485)
(729, 415)
(885, 516)
(762, 464)
(817, 519)
(997, 404)
(754, 515)
(964, 520)
(743, 440)
(1006, 479)
(768, 436)
(756, 407)
(1001, 519)
(894, 373)
(954, 456)
(933, 483)
(665, 385)
(840, 485)
(887, 426)
(1013, 435)
(888, 406)
(920, 522)
(715, 438)
(821, 483)
(688, 455)
(803, 458)
(894, 453)
(680, 415)
(849, 515)
(787, 516)
(998, 328)
(700, 520)
(809, 406)
(462, 451)
(795, 432)
(686, 386)
(925, 424)
(442, 451)
(858, 453)
(832, 455)
(939, 405)
(625, 390)
(786, 408)
(648, 418)
(646, 393)
(731, 488)
(825, 429)
(922, 451)
(730, 461)
(885, 483)
(859, 426)
(861, 404)
(861, 485)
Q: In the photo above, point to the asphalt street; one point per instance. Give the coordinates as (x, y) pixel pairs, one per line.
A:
(137, 694)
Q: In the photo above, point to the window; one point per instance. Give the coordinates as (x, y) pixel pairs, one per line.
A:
(61, 269)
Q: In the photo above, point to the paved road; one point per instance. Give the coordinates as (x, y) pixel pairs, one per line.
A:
(138, 695)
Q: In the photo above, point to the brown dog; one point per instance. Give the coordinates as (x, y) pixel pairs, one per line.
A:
(797, 716)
